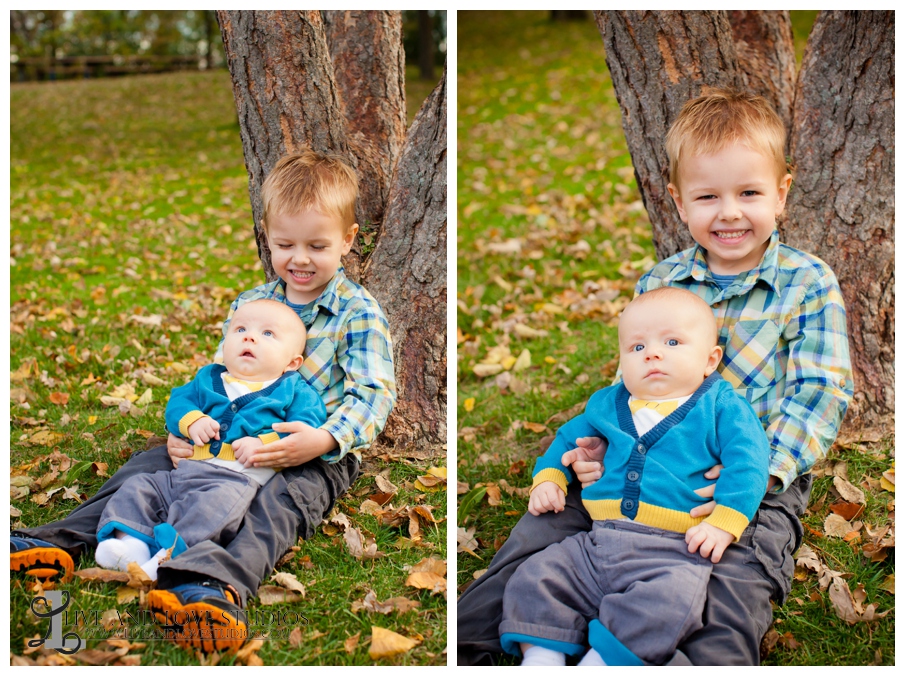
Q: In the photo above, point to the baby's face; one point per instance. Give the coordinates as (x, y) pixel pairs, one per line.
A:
(262, 344)
(665, 351)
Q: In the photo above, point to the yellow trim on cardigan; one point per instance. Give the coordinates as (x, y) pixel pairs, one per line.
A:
(188, 419)
(269, 437)
(551, 474)
(725, 518)
(728, 520)
(204, 453)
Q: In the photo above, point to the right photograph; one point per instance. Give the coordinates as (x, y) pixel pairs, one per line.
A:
(675, 341)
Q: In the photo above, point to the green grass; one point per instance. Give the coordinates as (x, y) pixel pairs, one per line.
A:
(542, 163)
(131, 232)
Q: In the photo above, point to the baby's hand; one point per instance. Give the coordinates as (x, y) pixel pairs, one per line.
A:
(245, 448)
(711, 540)
(547, 497)
(203, 430)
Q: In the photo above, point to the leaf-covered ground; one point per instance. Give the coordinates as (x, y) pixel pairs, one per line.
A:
(552, 236)
(131, 232)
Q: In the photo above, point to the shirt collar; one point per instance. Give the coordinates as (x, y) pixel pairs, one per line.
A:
(694, 265)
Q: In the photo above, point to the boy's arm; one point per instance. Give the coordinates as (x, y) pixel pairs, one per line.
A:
(305, 406)
(366, 357)
(804, 423)
(744, 454)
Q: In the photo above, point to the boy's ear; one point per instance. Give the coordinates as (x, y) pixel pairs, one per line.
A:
(716, 354)
(677, 198)
(349, 238)
(294, 364)
(784, 184)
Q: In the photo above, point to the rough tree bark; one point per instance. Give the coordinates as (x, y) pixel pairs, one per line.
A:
(658, 61)
(842, 204)
(294, 86)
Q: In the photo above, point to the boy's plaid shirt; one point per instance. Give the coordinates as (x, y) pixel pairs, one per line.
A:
(348, 358)
(785, 346)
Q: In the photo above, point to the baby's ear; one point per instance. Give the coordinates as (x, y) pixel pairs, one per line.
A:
(294, 364)
(713, 360)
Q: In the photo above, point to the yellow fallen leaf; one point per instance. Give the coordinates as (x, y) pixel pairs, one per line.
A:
(145, 398)
(426, 580)
(469, 404)
(92, 419)
(508, 362)
(537, 428)
(430, 565)
(549, 360)
(484, 370)
(386, 643)
(523, 361)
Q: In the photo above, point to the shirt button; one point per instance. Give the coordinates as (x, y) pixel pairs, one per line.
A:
(632, 476)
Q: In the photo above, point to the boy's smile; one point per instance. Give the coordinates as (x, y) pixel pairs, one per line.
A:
(306, 251)
(730, 200)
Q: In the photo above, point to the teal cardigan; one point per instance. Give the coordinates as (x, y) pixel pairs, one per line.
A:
(652, 478)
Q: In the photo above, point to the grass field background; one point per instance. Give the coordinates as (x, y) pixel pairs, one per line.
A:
(552, 237)
(131, 233)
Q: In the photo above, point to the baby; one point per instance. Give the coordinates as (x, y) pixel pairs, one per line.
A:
(640, 576)
(227, 411)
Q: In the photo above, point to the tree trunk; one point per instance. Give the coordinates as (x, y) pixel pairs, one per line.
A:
(658, 61)
(292, 90)
(842, 204)
(407, 275)
(369, 67)
(766, 57)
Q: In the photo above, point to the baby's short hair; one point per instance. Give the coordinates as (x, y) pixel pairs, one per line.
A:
(679, 300)
(311, 180)
(721, 118)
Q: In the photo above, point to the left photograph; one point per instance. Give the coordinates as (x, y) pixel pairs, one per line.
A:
(228, 343)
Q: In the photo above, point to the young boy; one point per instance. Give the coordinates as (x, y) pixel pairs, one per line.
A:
(309, 222)
(228, 412)
(781, 323)
(634, 577)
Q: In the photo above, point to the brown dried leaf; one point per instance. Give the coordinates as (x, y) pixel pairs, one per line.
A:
(849, 492)
(59, 398)
(351, 643)
(465, 541)
(247, 654)
(430, 565)
(126, 595)
(461, 488)
(427, 580)
(368, 507)
(96, 657)
(270, 595)
(385, 485)
(360, 548)
(371, 604)
(386, 643)
(138, 578)
(835, 526)
(381, 498)
(102, 575)
(289, 581)
(295, 637)
(537, 428)
(493, 495)
(847, 510)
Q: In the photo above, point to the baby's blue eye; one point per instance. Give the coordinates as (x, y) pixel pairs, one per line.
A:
(268, 333)
(637, 348)
(672, 342)
(240, 329)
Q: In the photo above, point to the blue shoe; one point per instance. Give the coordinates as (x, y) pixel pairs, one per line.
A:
(38, 558)
(202, 615)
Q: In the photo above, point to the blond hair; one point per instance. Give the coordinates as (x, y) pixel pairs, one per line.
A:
(677, 298)
(721, 118)
(310, 180)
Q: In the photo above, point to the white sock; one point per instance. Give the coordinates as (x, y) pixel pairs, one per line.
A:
(118, 552)
(538, 656)
(150, 566)
(592, 658)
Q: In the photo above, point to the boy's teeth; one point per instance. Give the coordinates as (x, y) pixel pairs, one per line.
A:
(730, 235)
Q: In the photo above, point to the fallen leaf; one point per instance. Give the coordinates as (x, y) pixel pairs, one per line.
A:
(523, 361)
(835, 526)
(269, 595)
(427, 580)
(494, 499)
(385, 485)
(461, 488)
(465, 541)
(102, 575)
(386, 643)
(849, 492)
(247, 654)
(847, 510)
(371, 604)
(295, 637)
(358, 548)
(145, 398)
(430, 565)
(484, 370)
(351, 643)
(59, 398)
(126, 595)
(138, 578)
(468, 404)
(889, 584)
(537, 428)
(289, 581)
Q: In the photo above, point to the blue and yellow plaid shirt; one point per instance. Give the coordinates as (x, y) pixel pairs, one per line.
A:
(785, 346)
(348, 358)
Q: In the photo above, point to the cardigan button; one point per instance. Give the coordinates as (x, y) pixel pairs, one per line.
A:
(632, 476)
(628, 504)
(233, 408)
(224, 427)
(641, 449)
